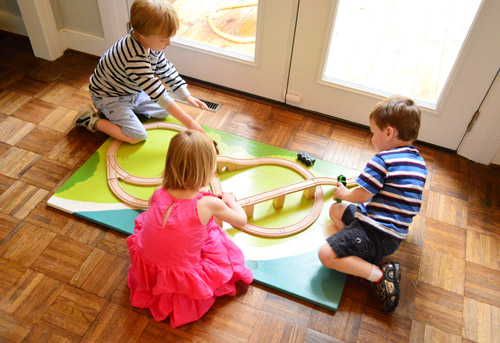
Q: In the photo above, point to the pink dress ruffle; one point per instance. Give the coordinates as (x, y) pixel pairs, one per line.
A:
(177, 271)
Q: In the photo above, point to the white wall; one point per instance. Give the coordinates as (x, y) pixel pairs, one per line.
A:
(10, 18)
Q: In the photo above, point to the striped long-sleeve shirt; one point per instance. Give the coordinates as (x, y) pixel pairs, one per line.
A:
(127, 68)
(396, 178)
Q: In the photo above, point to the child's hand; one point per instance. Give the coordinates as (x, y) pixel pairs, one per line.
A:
(340, 192)
(228, 198)
(196, 102)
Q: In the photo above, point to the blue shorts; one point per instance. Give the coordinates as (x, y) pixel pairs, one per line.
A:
(123, 111)
(360, 239)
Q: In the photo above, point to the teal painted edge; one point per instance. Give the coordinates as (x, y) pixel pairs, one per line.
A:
(119, 220)
(302, 276)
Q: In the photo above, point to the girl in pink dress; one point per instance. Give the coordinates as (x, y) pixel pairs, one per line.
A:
(180, 258)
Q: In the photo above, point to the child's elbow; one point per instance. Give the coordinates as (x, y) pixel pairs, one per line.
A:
(241, 221)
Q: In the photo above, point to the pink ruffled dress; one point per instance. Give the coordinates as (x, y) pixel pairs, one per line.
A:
(177, 271)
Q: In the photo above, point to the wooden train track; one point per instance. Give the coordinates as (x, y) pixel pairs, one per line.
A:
(309, 186)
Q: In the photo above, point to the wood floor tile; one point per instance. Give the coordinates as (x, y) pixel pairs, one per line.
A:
(78, 100)
(74, 311)
(31, 296)
(244, 125)
(34, 111)
(15, 162)
(273, 328)
(416, 231)
(351, 135)
(287, 308)
(228, 321)
(40, 140)
(342, 154)
(254, 296)
(12, 130)
(287, 118)
(215, 121)
(61, 119)
(312, 144)
(450, 183)
(44, 333)
(343, 324)
(276, 134)
(481, 322)
(46, 174)
(116, 324)
(7, 225)
(10, 273)
(5, 183)
(445, 238)
(442, 270)
(434, 335)
(482, 284)
(408, 255)
(83, 231)
(162, 333)
(377, 327)
(48, 217)
(318, 126)
(26, 244)
(439, 308)
(20, 199)
(483, 250)
(13, 329)
(30, 86)
(100, 274)
(114, 243)
(76, 146)
(62, 258)
(313, 336)
(447, 209)
(484, 220)
(11, 101)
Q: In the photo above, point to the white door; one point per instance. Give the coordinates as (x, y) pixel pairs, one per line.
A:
(348, 55)
(252, 55)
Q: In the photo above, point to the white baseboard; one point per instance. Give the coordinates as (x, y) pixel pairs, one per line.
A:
(12, 23)
(83, 42)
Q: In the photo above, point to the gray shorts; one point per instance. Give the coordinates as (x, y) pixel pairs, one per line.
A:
(360, 239)
(123, 111)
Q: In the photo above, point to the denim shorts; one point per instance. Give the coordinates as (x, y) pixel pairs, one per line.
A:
(360, 239)
(123, 111)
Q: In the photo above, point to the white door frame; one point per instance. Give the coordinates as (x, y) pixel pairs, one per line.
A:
(49, 43)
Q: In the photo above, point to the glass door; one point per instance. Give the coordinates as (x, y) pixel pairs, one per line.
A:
(349, 54)
(243, 45)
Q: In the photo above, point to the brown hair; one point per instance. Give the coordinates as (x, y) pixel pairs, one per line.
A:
(191, 161)
(400, 113)
(154, 17)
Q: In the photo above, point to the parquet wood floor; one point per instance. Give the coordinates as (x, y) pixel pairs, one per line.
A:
(63, 279)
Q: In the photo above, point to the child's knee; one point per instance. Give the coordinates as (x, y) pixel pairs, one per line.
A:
(327, 256)
(336, 211)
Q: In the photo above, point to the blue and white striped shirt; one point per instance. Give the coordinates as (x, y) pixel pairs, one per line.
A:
(127, 68)
(396, 178)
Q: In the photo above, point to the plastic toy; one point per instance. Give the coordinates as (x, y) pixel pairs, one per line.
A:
(225, 164)
(306, 159)
(342, 179)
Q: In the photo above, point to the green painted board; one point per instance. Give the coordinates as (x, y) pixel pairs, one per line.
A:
(287, 264)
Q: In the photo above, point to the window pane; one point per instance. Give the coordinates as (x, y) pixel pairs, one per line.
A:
(225, 26)
(404, 47)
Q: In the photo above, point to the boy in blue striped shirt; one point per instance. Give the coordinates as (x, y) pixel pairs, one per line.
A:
(129, 78)
(390, 194)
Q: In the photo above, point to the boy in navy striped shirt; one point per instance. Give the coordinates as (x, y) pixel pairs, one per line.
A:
(390, 194)
(128, 78)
